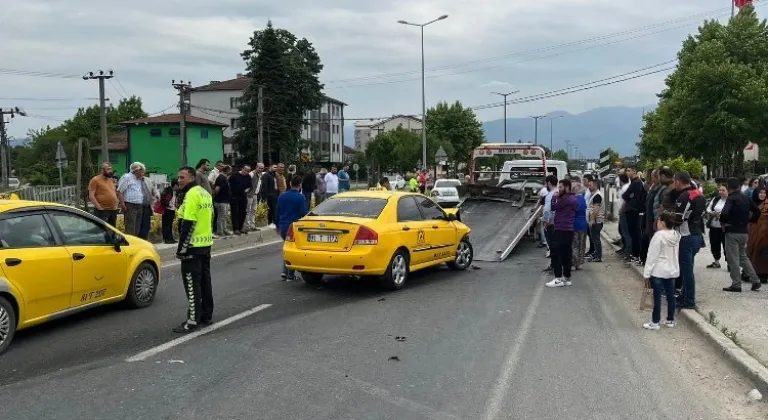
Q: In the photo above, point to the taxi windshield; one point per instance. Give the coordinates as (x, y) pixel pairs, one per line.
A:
(368, 208)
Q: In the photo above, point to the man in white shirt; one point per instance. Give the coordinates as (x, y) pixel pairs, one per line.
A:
(331, 183)
(253, 197)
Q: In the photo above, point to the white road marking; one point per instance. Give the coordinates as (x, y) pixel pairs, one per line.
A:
(183, 339)
(501, 389)
(231, 251)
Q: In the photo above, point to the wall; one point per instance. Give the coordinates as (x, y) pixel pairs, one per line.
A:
(219, 100)
(163, 154)
(119, 161)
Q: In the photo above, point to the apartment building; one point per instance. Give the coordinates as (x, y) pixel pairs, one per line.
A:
(219, 101)
(367, 130)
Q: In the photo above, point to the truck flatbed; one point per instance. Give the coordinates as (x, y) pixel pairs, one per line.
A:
(497, 226)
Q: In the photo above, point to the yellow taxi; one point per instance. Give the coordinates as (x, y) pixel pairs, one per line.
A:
(378, 234)
(56, 260)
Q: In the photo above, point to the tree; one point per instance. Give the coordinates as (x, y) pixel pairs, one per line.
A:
(397, 150)
(456, 126)
(560, 155)
(715, 101)
(287, 69)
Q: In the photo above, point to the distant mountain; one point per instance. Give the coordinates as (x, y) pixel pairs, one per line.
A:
(592, 131)
(14, 142)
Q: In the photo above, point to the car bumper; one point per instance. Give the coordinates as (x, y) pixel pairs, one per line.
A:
(363, 261)
(447, 201)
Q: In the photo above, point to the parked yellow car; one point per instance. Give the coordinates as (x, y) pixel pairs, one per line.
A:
(379, 234)
(56, 260)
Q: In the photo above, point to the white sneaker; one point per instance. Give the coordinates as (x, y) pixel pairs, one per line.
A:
(556, 283)
(547, 254)
(651, 326)
(669, 324)
(272, 226)
(567, 281)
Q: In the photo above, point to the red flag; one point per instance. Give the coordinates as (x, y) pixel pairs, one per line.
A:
(741, 3)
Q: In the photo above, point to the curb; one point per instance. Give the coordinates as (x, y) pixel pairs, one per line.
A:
(740, 359)
(224, 244)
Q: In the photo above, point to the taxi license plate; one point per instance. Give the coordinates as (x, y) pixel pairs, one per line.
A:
(328, 239)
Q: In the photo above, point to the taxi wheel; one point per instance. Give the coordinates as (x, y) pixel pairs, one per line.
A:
(464, 256)
(312, 278)
(397, 271)
(7, 324)
(143, 287)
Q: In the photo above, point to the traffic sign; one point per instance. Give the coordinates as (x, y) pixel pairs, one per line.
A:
(605, 161)
(355, 167)
(60, 153)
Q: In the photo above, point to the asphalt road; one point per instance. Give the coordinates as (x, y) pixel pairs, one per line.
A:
(489, 343)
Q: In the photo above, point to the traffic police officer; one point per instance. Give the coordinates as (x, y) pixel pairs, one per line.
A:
(194, 251)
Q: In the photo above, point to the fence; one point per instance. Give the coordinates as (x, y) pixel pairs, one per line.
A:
(47, 193)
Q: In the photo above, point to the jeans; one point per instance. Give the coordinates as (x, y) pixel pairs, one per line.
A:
(146, 222)
(271, 206)
(238, 206)
(109, 216)
(132, 218)
(221, 219)
(689, 247)
(287, 272)
(308, 198)
(633, 231)
(736, 256)
(626, 242)
(594, 239)
(250, 213)
(543, 233)
(561, 249)
(168, 218)
(668, 286)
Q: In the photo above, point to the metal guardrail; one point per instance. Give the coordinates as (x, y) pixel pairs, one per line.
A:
(47, 193)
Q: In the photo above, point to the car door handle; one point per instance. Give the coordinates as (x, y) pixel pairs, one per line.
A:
(77, 256)
(406, 228)
(10, 262)
(435, 227)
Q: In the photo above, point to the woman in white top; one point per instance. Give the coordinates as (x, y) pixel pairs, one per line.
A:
(716, 234)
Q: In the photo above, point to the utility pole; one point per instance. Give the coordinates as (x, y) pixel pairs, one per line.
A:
(101, 76)
(536, 119)
(4, 152)
(504, 95)
(182, 87)
(568, 148)
(260, 112)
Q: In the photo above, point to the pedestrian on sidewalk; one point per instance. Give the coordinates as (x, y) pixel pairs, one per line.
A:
(596, 212)
(168, 206)
(308, 185)
(344, 179)
(626, 242)
(291, 207)
(580, 227)
(734, 219)
(588, 198)
(634, 203)
(662, 267)
(253, 198)
(331, 183)
(649, 220)
(689, 210)
(269, 192)
(320, 185)
(221, 199)
(133, 195)
(565, 206)
(548, 216)
(239, 185)
(194, 251)
(541, 225)
(757, 246)
(103, 195)
(716, 233)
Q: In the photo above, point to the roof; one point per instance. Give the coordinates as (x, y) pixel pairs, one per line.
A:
(115, 142)
(239, 84)
(367, 123)
(408, 117)
(349, 150)
(9, 205)
(173, 119)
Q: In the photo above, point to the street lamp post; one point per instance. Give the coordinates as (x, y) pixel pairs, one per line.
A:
(423, 94)
(552, 133)
(536, 119)
(504, 95)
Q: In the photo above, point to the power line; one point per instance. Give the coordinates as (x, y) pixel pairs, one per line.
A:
(14, 72)
(49, 99)
(688, 18)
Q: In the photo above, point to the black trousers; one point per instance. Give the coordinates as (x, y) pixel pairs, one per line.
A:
(561, 252)
(271, 205)
(168, 218)
(646, 242)
(717, 242)
(633, 227)
(109, 216)
(238, 206)
(196, 275)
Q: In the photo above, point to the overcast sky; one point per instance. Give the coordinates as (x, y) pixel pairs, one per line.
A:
(371, 62)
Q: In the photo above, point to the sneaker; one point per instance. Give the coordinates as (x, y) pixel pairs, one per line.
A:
(595, 260)
(556, 283)
(185, 328)
(567, 281)
(669, 324)
(756, 286)
(651, 326)
(547, 270)
(639, 262)
(715, 264)
(546, 255)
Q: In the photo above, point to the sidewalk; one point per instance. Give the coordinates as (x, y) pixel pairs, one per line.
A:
(168, 251)
(741, 317)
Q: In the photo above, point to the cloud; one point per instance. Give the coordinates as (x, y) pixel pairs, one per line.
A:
(371, 62)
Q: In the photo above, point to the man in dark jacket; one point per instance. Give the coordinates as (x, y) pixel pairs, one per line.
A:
(734, 219)
(239, 185)
(564, 205)
(689, 210)
(634, 199)
(648, 219)
(269, 193)
(308, 185)
(664, 201)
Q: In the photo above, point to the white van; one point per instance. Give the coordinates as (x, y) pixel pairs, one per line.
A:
(557, 168)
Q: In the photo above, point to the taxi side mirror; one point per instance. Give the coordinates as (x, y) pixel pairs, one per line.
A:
(117, 241)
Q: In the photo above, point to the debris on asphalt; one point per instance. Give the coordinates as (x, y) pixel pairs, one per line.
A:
(175, 361)
(754, 395)
(400, 339)
(394, 358)
(474, 267)
(382, 299)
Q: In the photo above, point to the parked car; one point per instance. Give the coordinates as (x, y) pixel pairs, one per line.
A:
(445, 192)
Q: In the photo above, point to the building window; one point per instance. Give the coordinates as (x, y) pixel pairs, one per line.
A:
(174, 131)
(203, 133)
(234, 123)
(235, 102)
(114, 158)
(156, 132)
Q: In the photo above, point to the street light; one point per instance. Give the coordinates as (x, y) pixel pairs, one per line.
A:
(423, 94)
(552, 132)
(504, 95)
(536, 119)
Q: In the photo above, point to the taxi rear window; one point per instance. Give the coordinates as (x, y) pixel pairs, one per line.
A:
(368, 208)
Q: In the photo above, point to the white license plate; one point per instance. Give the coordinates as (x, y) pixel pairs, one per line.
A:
(328, 239)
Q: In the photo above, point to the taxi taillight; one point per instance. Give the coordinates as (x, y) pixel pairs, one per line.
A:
(289, 234)
(366, 236)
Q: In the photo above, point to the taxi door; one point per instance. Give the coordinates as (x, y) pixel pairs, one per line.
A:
(441, 240)
(98, 271)
(413, 233)
(32, 261)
